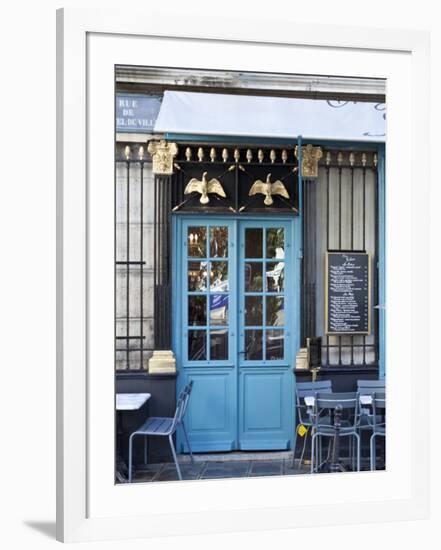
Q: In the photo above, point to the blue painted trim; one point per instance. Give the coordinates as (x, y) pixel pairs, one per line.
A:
(300, 188)
(233, 140)
(382, 259)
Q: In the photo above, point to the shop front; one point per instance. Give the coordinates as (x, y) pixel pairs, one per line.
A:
(250, 248)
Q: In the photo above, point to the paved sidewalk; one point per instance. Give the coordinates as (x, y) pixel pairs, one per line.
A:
(218, 469)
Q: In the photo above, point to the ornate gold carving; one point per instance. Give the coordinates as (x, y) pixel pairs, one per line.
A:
(212, 154)
(268, 189)
(272, 156)
(163, 154)
(127, 152)
(236, 155)
(141, 153)
(284, 156)
(351, 159)
(203, 187)
(260, 155)
(249, 155)
(188, 153)
(310, 158)
(225, 155)
(200, 154)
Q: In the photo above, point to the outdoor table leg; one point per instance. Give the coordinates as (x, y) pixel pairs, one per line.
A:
(335, 465)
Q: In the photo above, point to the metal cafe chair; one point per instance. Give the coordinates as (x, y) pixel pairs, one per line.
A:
(350, 409)
(368, 387)
(164, 427)
(379, 426)
(306, 389)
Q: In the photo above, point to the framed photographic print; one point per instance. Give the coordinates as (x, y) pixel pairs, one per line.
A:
(236, 209)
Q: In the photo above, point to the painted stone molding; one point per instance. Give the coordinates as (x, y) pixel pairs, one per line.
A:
(310, 159)
(162, 361)
(163, 154)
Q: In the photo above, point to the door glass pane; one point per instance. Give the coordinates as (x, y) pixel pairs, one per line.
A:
(218, 309)
(253, 277)
(197, 345)
(275, 276)
(197, 276)
(274, 344)
(253, 311)
(253, 243)
(219, 276)
(275, 315)
(218, 345)
(197, 310)
(275, 242)
(218, 242)
(197, 242)
(253, 345)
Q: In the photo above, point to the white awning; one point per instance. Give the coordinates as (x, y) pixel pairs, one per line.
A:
(270, 117)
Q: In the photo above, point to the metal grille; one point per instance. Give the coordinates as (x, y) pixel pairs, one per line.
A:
(347, 219)
(134, 237)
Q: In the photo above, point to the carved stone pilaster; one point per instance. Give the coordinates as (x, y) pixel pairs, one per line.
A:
(163, 154)
(310, 159)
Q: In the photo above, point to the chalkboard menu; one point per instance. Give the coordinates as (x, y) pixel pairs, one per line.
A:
(347, 304)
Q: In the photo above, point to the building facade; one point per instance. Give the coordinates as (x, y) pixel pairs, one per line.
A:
(249, 232)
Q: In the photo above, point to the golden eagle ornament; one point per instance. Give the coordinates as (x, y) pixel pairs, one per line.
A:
(268, 189)
(204, 187)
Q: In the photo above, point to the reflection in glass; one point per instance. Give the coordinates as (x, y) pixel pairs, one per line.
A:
(197, 276)
(218, 345)
(253, 242)
(197, 242)
(253, 311)
(253, 345)
(197, 310)
(219, 277)
(275, 242)
(218, 242)
(275, 315)
(219, 309)
(275, 276)
(274, 344)
(253, 277)
(197, 345)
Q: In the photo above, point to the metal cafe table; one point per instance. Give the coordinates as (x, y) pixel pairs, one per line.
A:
(335, 464)
(126, 402)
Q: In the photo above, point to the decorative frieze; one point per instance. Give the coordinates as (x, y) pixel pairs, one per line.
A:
(163, 154)
(310, 159)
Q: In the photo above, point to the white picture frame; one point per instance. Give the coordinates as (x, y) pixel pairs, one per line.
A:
(89, 505)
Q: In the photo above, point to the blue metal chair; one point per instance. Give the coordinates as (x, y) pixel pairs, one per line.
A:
(305, 389)
(164, 427)
(379, 426)
(368, 387)
(350, 406)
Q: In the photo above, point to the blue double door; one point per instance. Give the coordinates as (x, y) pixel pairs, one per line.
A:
(236, 330)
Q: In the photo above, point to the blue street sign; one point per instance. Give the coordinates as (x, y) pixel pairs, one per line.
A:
(136, 113)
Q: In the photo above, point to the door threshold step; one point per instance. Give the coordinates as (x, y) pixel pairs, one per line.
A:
(237, 455)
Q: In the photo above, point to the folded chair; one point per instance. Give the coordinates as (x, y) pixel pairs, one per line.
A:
(379, 423)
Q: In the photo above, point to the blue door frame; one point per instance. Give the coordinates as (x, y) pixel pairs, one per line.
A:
(237, 402)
